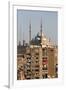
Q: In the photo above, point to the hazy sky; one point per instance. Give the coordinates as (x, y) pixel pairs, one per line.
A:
(49, 24)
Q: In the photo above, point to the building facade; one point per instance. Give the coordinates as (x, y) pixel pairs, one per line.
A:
(38, 60)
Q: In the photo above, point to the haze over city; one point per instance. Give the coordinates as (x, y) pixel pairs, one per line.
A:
(49, 24)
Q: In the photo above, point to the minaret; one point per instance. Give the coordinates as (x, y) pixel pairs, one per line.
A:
(40, 50)
(41, 30)
(30, 33)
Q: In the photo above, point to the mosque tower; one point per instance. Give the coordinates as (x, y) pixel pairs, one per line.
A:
(41, 31)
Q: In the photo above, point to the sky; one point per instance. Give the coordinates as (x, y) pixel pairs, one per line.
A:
(49, 24)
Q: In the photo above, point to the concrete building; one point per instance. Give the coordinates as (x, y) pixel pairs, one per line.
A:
(38, 60)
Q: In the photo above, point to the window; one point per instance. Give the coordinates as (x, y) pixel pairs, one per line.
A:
(37, 61)
(52, 50)
(36, 77)
(45, 76)
(36, 69)
(37, 53)
(36, 57)
(28, 70)
(28, 54)
(28, 57)
(37, 66)
(44, 68)
(28, 78)
(23, 56)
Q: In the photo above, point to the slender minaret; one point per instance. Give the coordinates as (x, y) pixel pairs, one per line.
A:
(40, 50)
(41, 30)
(30, 33)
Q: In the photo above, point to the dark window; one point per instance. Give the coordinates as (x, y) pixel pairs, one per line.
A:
(28, 70)
(36, 77)
(36, 57)
(45, 75)
(56, 69)
(28, 78)
(44, 68)
(37, 53)
(44, 58)
(52, 50)
(37, 66)
(23, 56)
(36, 69)
(37, 61)
(28, 57)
